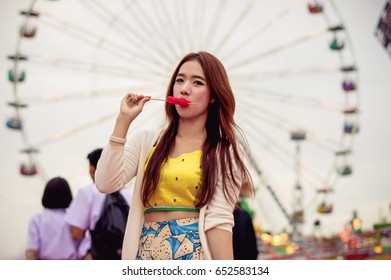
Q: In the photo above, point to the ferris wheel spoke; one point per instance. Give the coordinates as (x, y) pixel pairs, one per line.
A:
(134, 37)
(289, 98)
(155, 29)
(67, 133)
(169, 30)
(199, 23)
(286, 73)
(86, 95)
(268, 179)
(230, 31)
(185, 23)
(323, 141)
(274, 147)
(265, 180)
(166, 34)
(90, 67)
(217, 16)
(327, 144)
(288, 125)
(118, 50)
(256, 57)
(237, 46)
(309, 178)
(70, 132)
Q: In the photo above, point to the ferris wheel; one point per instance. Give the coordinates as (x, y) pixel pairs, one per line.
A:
(290, 63)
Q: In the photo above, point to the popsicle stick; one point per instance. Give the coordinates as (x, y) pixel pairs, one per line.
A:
(161, 99)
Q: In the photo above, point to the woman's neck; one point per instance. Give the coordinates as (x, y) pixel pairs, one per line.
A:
(191, 129)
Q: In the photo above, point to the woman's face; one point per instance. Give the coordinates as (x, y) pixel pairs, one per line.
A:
(190, 84)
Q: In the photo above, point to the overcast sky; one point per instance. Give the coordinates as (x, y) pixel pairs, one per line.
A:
(367, 190)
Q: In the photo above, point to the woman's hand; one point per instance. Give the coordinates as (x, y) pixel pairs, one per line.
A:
(132, 105)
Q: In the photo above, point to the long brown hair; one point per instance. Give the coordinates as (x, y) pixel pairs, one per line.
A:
(221, 144)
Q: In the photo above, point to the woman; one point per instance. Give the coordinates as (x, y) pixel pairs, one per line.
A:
(49, 236)
(188, 175)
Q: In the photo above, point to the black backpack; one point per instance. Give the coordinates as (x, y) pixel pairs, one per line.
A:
(108, 235)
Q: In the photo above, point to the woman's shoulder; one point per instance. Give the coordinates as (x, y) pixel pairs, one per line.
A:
(146, 134)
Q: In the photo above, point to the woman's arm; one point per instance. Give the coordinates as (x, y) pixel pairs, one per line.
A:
(117, 164)
(220, 244)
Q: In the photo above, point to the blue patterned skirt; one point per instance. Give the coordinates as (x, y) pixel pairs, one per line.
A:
(170, 240)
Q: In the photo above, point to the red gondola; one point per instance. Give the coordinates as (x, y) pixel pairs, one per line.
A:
(28, 169)
(315, 8)
(28, 32)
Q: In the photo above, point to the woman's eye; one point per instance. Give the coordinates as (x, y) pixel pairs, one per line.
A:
(198, 83)
(179, 80)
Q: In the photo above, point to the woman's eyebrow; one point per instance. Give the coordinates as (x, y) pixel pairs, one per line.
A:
(192, 76)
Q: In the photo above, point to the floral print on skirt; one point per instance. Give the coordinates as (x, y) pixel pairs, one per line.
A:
(170, 240)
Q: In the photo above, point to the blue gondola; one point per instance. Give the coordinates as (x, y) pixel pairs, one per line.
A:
(350, 128)
(14, 123)
(344, 170)
(336, 45)
(12, 77)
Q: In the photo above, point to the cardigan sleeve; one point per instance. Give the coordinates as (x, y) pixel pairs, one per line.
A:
(118, 164)
(219, 212)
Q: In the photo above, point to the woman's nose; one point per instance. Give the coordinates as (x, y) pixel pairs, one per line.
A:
(185, 89)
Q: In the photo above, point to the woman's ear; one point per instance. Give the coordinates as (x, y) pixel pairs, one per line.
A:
(212, 100)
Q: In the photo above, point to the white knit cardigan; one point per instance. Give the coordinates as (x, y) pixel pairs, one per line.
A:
(120, 164)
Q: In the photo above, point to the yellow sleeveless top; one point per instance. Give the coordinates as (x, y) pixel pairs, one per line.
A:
(179, 183)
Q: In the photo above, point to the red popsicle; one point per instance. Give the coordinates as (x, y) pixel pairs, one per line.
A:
(179, 101)
(175, 100)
